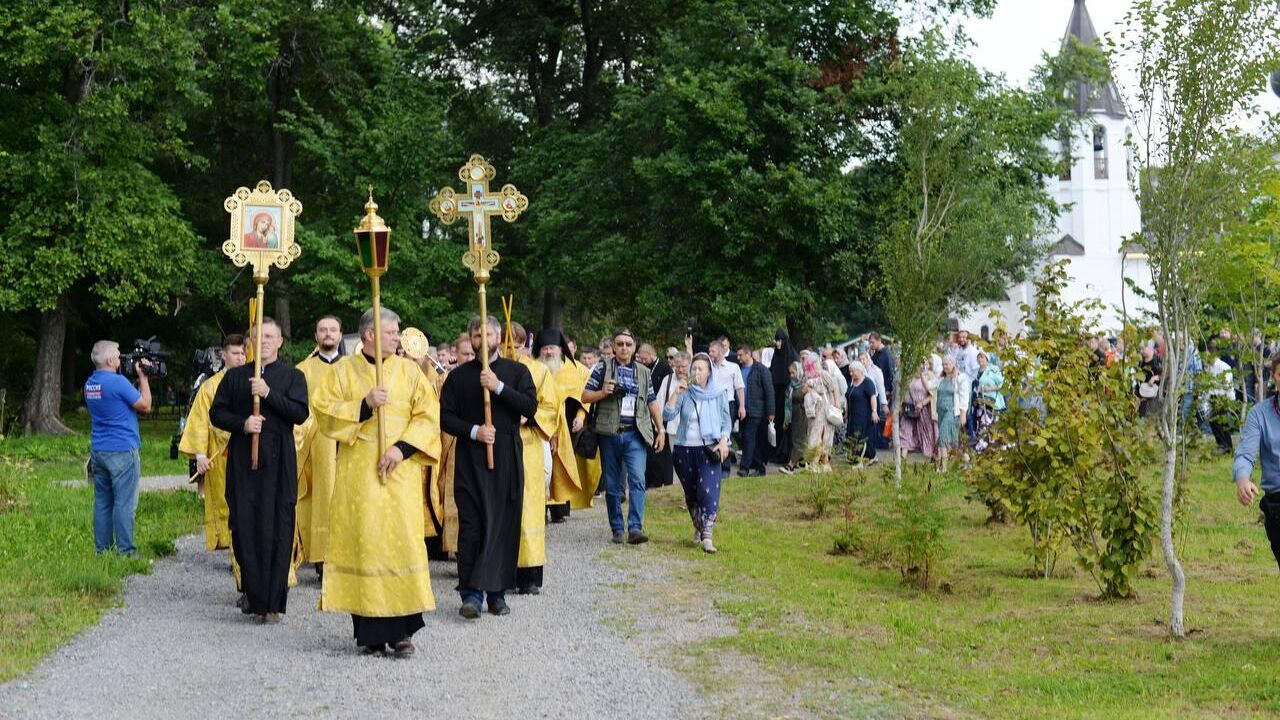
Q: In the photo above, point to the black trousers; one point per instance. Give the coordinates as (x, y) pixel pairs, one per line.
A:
(1270, 507)
(750, 438)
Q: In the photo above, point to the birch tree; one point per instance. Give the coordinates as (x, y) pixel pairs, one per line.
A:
(1198, 64)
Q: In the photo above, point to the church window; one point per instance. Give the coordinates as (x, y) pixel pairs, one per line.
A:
(1099, 152)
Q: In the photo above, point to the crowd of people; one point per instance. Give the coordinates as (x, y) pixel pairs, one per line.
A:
(451, 457)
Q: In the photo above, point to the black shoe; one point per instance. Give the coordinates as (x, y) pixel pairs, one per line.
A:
(320, 570)
(498, 606)
(403, 649)
(758, 473)
(619, 538)
(637, 538)
(743, 473)
(243, 604)
(530, 590)
(469, 610)
(372, 649)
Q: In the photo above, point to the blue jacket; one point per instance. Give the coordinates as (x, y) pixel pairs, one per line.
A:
(686, 409)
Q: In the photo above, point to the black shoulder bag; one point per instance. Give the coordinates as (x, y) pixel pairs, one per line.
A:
(586, 442)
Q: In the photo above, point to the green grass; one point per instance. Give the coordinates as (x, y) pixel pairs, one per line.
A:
(994, 643)
(52, 584)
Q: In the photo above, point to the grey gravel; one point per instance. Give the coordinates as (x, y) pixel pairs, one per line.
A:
(179, 648)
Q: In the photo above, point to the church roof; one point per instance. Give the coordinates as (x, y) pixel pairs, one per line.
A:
(1089, 99)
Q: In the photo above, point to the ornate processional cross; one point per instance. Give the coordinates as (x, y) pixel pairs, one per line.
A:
(479, 206)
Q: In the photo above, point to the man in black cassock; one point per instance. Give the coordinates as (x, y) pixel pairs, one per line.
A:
(489, 501)
(262, 501)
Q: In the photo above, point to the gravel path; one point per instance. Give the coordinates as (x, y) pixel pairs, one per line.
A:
(179, 648)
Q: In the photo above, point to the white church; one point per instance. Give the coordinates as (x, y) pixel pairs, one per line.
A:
(1100, 211)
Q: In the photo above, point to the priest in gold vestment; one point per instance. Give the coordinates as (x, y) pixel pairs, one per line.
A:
(535, 436)
(207, 445)
(567, 492)
(376, 563)
(317, 454)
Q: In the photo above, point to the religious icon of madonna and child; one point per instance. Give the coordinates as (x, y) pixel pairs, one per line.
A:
(261, 228)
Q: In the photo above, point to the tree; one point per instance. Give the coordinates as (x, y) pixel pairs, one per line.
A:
(970, 201)
(95, 98)
(1069, 451)
(1198, 63)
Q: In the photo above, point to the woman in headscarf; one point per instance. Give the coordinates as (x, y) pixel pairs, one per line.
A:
(864, 412)
(701, 444)
(919, 431)
(784, 355)
(820, 399)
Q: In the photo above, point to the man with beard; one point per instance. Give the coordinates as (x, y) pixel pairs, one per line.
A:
(262, 499)
(489, 500)
(207, 445)
(567, 491)
(377, 565)
(317, 454)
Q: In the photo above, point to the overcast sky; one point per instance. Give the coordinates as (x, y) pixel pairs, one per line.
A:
(1013, 38)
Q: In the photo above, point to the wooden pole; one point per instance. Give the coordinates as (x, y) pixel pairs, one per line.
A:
(261, 282)
(484, 364)
(377, 362)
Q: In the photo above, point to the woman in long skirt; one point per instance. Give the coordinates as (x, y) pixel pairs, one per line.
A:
(918, 430)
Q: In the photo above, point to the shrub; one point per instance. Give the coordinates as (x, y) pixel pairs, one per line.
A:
(1068, 452)
(913, 523)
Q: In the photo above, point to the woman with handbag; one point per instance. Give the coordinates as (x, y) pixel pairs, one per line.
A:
(701, 444)
(950, 400)
(822, 408)
(919, 432)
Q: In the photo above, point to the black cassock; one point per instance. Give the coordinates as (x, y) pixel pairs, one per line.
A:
(489, 501)
(262, 501)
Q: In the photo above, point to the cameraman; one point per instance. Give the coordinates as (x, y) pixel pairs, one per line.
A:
(114, 405)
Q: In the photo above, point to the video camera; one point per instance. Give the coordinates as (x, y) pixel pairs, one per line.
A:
(206, 362)
(145, 351)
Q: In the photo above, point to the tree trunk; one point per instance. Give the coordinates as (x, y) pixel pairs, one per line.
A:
(282, 311)
(1166, 541)
(41, 414)
(552, 309)
(1173, 385)
(897, 426)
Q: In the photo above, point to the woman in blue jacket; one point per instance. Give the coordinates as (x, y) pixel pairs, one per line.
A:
(701, 445)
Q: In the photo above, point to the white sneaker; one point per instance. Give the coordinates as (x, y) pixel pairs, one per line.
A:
(707, 547)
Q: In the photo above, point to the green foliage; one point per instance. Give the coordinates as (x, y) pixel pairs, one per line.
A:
(1068, 452)
(819, 493)
(967, 202)
(913, 523)
(97, 99)
(14, 474)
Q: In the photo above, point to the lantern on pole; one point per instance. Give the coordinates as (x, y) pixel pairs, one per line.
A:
(373, 244)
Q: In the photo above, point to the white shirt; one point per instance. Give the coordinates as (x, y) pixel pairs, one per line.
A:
(967, 359)
(728, 377)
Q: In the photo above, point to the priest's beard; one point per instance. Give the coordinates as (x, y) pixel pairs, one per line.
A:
(553, 364)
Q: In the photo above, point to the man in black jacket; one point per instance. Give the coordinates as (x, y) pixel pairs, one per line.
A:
(759, 400)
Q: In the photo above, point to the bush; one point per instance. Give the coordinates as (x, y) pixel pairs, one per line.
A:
(913, 522)
(819, 493)
(1069, 451)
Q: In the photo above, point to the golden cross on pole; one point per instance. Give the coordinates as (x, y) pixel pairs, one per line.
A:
(479, 205)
